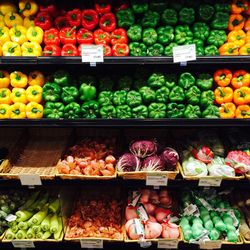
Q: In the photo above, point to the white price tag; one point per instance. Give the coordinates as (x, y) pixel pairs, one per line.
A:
(184, 53)
(91, 243)
(145, 244)
(92, 53)
(168, 244)
(156, 180)
(30, 179)
(210, 182)
(211, 244)
(10, 218)
(23, 244)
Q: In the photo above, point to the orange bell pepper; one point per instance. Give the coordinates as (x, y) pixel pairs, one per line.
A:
(236, 22)
(229, 49)
(247, 24)
(240, 78)
(223, 77)
(223, 94)
(227, 110)
(238, 6)
(245, 50)
(248, 37)
(237, 37)
(242, 96)
(243, 111)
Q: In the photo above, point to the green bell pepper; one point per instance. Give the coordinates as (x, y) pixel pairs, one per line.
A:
(90, 109)
(201, 31)
(51, 92)
(150, 19)
(140, 112)
(211, 111)
(87, 79)
(192, 111)
(135, 33)
(156, 50)
(106, 84)
(198, 42)
(217, 38)
(165, 35)
(161, 95)
(223, 7)
(186, 80)
(87, 92)
(207, 98)
(108, 112)
(61, 78)
(169, 49)
(193, 95)
(183, 34)
(187, 15)
(205, 81)
(177, 94)
(200, 51)
(149, 36)
(72, 111)
(120, 97)
(148, 95)
(156, 80)
(69, 94)
(175, 110)
(169, 17)
(171, 80)
(206, 12)
(105, 98)
(123, 112)
(125, 83)
(158, 5)
(134, 99)
(211, 50)
(125, 18)
(53, 110)
(220, 21)
(157, 110)
(139, 6)
(137, 49)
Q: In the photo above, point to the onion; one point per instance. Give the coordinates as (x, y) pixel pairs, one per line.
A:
(143, 149)
(152, 230)
(161, 213)
(154, 198)
(130, 213)
(152, 218)
(128, 223)
(145, 196)
(132, 232)
(170, 230)
(150, 208)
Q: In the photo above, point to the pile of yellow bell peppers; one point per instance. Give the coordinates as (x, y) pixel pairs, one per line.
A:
(21, 95)
(18, 34)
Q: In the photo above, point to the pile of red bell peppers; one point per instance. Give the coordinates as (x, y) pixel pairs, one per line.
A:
(66, 31)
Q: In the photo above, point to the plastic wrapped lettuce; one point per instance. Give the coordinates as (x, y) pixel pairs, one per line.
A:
(193, 167)
(219, 168)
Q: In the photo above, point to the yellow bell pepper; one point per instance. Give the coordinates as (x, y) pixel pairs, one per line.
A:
(4, 111)
(18, 34)
(18, 111)
(4, 35)
(18, 95)
(7, 6)
(28, 7)
(34, 93)
(34, 110)
(18, 79)
(11, 49)
(4, 79)
(35, 34)
(12, 19)
(5, 96)
(2, 24)
(28, 22)
(36, 78)
(1, 51)
(31, 49)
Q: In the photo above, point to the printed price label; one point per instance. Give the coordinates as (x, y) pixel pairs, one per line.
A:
(211, 244)
(145, 244)
(184, 53)
(92, 53)
(23, 244)
(11, 217)
(210, 182)
(91, 243)
(156, 180)
(30, 179)
(168, 244)
(191, 210)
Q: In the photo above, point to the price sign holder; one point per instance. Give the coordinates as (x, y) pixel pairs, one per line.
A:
(30, 180)
(91, 243)
(183, 54)
(168, 244)
(212, 244)
(156, 180)
(210, 182)
(23, 244)
(92, 54)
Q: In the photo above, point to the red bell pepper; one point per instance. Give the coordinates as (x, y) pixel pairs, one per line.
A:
(107, 51)
(84, 36)
(102, 7)
(68, 35)
(51, 36)
(108, 22)
(121, 5)
(51, 9)
(101, 37)
(43, 20)
(119, 36)
(74, 17)
(120, 49)
(61, 22)
(69, 50)
(90, 19)
(52, 50)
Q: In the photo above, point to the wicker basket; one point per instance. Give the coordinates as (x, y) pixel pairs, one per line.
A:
(248, 176)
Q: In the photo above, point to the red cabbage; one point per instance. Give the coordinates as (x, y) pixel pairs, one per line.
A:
(152, 163)
(143, 149)
(128, 163)
(170, 158)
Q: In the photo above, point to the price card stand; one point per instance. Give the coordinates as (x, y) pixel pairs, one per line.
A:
(168, 244)
(92, 54)
(210, 182)
(213, 244)
(30, 180)
(183, 54)
(91, 243)
(156, 180)
(23, 244)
